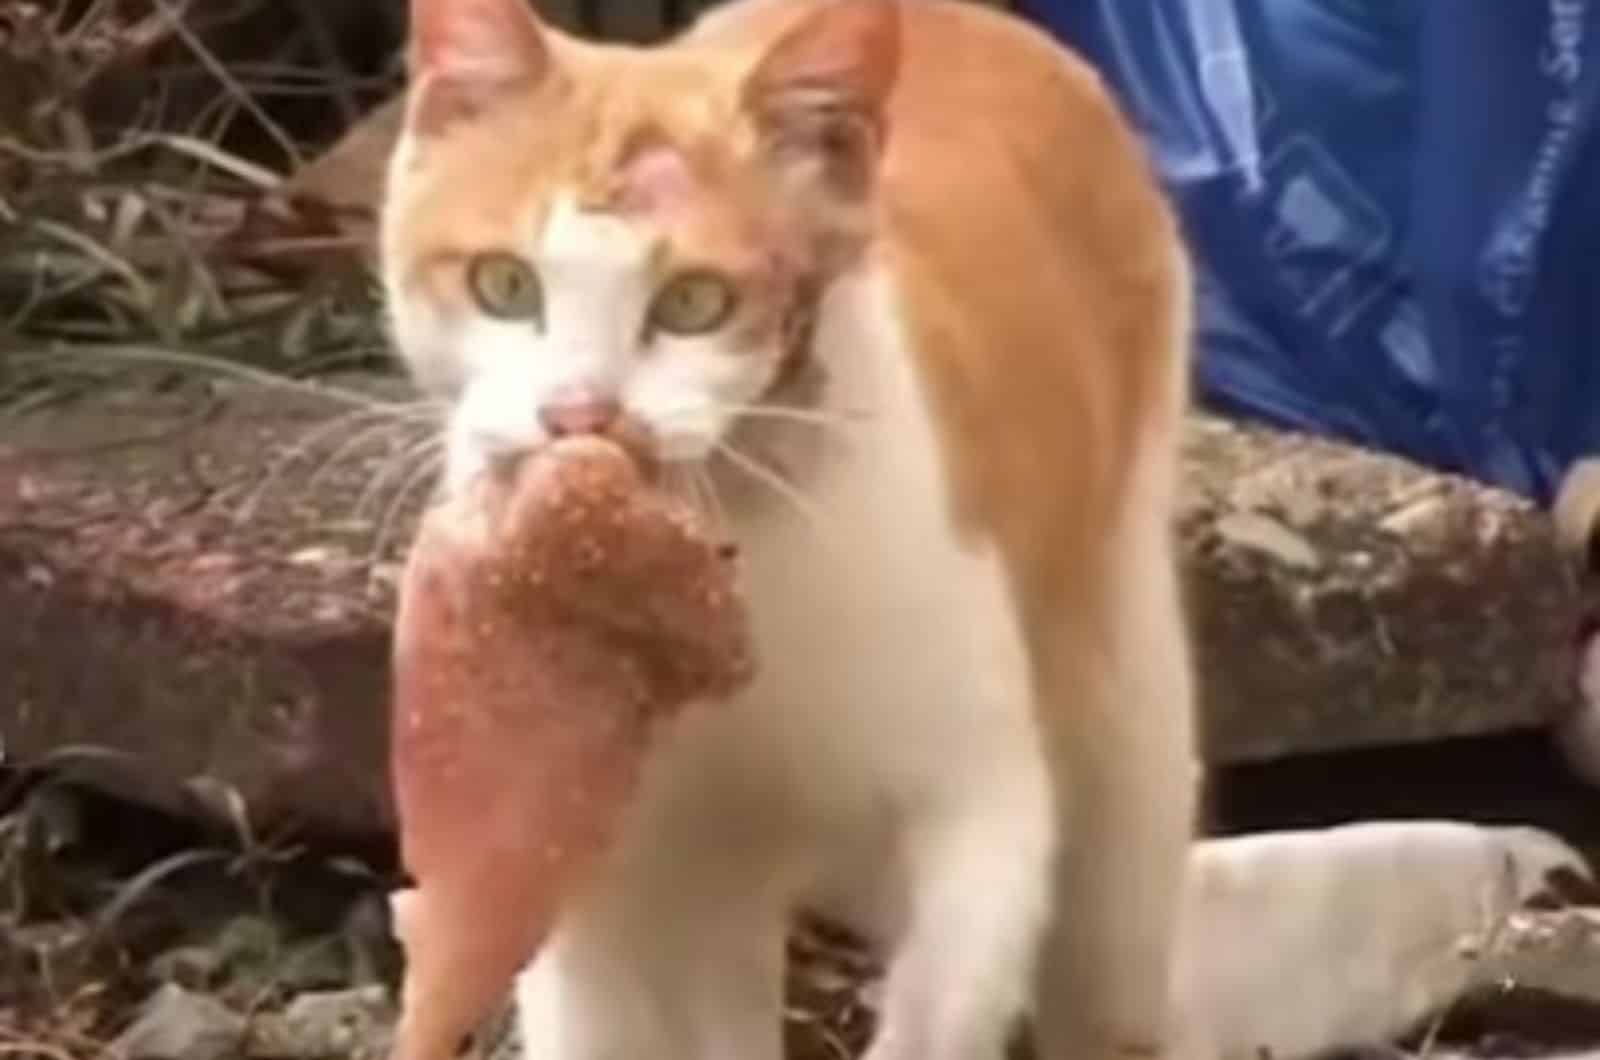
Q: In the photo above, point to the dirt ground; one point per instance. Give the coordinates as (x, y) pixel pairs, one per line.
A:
(127, 933)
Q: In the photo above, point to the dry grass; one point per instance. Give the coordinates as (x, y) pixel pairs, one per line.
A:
(143, 144)
(139, 174)
(92, 891)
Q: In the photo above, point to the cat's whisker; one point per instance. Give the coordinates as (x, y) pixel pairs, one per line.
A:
(830, 418)
(708, 484)
(210, 365)
(386, 430)
(396, 466)
(780, 486)
(838, 424)
(423, 475)
(694, 482)
(302, 446)
(680, 481)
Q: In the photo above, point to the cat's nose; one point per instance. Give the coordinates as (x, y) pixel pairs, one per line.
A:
(580, 410)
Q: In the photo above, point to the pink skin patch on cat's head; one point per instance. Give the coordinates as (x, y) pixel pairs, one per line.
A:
(656, 181)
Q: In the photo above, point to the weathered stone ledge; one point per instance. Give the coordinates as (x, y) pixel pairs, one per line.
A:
(150, 635)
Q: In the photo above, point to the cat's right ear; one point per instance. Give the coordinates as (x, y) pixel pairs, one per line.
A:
(466, 54)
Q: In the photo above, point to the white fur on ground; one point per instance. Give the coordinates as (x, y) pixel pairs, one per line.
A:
(1302, 942)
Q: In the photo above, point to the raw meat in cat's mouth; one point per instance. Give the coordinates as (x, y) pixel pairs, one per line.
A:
(627, 433)
(549, 623)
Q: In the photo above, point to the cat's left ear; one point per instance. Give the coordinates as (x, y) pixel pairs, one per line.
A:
(466, 54)
(819, 95)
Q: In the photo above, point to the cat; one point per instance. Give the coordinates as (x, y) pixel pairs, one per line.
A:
(890, 285)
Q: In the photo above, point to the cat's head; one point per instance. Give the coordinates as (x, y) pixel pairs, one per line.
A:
(574, 232)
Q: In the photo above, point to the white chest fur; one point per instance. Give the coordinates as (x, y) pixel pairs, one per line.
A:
(891, 675)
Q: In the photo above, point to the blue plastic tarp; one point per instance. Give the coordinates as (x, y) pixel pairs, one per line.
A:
(1394, 207)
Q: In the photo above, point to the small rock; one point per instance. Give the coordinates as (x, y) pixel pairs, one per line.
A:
(508, 1046)
(316, 556)
(249, 951)
(176, 1024)
(350, 1024)
(48, 940)
(1414, 517)
(248, 944)
(52, 818)
(1264, 534)
(373, 953)
(499, 1038)
(318, 964)
(1556, 951)
(193, 967)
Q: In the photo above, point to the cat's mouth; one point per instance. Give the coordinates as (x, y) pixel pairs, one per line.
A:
(627, 430)
(502, 463)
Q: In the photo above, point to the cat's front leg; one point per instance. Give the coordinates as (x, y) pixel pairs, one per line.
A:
(607, 993)
(977, 884)
(676, 949)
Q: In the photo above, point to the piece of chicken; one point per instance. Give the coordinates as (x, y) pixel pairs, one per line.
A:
(548, 623)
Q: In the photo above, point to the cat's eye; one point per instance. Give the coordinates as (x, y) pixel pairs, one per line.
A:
(693, 303)
(505, 286)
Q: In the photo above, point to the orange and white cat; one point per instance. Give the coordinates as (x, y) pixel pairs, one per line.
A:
(891, 278)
